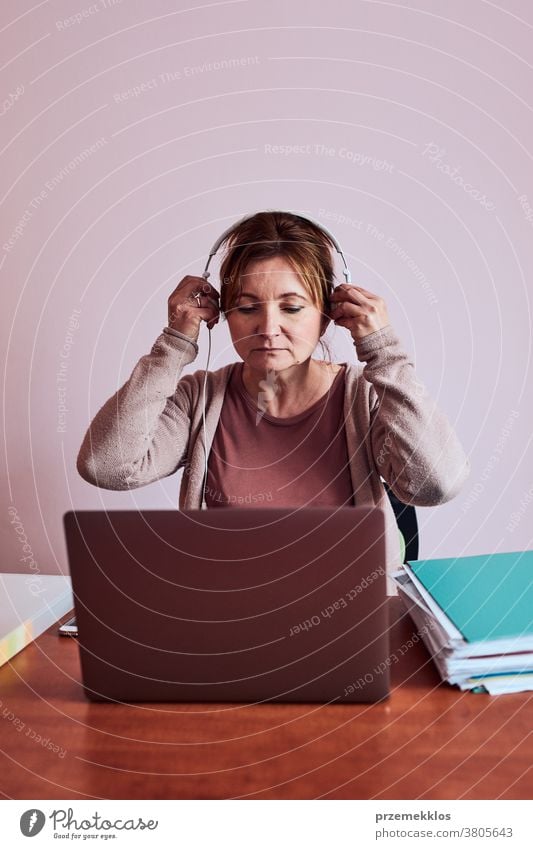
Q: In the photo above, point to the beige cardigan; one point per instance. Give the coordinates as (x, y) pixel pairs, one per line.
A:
(152, 427)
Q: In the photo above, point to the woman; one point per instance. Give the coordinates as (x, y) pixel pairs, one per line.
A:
(282, 428)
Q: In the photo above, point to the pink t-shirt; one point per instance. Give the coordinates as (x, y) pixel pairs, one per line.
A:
(259, 460)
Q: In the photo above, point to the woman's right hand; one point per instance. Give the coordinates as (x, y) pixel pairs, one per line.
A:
(185, 312)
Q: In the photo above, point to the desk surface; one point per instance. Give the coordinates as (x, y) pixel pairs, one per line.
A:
(428, 741)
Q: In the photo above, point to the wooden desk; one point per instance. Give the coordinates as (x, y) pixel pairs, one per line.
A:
(428, 741)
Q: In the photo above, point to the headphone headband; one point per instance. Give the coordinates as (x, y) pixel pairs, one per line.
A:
(216, 246)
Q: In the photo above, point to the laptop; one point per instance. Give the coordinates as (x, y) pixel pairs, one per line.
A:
(231, 604)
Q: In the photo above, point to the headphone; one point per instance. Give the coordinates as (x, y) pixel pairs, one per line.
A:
(206, 274)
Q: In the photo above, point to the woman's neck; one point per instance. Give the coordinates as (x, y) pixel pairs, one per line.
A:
(290, 391)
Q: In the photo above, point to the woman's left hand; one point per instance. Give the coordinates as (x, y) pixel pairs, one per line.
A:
(357, 309)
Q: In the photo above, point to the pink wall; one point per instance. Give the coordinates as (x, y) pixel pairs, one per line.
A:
(134, 133)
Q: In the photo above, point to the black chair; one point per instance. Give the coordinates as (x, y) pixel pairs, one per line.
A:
(407, 522)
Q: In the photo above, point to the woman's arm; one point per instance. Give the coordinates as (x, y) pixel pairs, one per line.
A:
(414, 446)
(141, 433)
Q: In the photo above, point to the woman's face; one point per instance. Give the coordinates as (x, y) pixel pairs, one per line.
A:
(274, 323)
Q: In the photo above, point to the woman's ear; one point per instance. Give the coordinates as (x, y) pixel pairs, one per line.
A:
(325, 318)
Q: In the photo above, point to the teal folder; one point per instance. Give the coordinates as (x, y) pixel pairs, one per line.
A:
(486, 596)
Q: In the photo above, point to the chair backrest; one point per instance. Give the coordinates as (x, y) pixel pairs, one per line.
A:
(407, 522)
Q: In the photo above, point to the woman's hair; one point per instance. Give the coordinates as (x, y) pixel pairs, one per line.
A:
(273, 233)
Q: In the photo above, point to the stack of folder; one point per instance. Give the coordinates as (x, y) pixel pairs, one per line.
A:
(475, 615)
